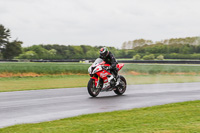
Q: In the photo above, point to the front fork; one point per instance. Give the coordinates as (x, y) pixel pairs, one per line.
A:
(95, 81)
(98, 83)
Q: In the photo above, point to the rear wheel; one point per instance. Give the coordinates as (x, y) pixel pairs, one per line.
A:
(122, 86)
(92, 90)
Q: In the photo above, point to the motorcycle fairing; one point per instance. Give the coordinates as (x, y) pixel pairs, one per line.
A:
(120, 66)
(103, 74)
(97, 69)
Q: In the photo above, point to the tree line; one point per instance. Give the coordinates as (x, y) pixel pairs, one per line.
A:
(174, 48)
(56, 51)
(174, 51)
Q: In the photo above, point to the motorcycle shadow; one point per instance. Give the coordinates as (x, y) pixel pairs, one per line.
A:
(108, 97)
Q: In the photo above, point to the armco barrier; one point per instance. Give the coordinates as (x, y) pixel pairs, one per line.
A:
(8, 60)
(70, 60)
(159, 62)
(126, 61)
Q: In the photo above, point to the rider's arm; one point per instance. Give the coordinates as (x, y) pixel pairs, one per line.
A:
(113, 61)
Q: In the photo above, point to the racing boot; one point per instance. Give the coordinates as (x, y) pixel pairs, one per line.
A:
(117, 80)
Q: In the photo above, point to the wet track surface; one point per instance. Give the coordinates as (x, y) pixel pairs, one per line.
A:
(45, 105)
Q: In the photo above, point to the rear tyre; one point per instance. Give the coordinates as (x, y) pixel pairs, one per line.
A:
(92, 90)
(122, 86)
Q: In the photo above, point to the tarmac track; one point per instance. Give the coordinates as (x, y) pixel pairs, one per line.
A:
(52, 104)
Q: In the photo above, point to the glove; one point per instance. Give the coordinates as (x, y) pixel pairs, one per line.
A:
(117, 69)
(109, 67)
(106, 67)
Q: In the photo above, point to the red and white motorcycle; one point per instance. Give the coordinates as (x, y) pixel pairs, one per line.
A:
(102, 80)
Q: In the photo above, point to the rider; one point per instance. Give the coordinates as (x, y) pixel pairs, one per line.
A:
(108, 57)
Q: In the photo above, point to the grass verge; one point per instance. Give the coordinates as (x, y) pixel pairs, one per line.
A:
(70, 81)
(42, 82)
(157, 79)
(171, 118)
(75, 68)
(44, 68)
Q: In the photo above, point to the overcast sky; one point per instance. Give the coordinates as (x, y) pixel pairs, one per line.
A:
(99, 22)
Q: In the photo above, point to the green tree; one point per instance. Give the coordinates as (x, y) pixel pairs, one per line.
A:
(137, 57)
(160, 57)
(41, 52)
(4, 36)
(52, 52)
(8, 49)
(12, 49)
(92, 54)
(186, 49)
(28, 55)
(149, 57)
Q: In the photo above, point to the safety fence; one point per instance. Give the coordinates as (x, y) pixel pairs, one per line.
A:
(119, 61)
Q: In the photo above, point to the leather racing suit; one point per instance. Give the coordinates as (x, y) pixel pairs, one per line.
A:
(110, 59)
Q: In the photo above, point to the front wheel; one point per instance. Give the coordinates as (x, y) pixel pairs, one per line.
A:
(122, 86)
(92, 90)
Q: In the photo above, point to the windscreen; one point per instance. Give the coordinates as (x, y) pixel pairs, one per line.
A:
(97, 61)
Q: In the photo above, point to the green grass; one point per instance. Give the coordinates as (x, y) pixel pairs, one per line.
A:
(58, 68)
(44, 68)
(43, 82)
(70, 81)
(157, 79)
(155, 72)
(181, 117)
(171, 118)
(161, 68)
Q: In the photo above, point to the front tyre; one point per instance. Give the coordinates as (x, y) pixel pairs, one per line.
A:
(92, 90)
(122, 86)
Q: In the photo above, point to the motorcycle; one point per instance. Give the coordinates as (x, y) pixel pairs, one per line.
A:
(102, 80)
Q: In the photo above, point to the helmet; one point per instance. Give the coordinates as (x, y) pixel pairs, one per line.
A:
(104, 52)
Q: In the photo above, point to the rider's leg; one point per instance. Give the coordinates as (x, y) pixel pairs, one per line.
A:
(117, 77)
(115, 74)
